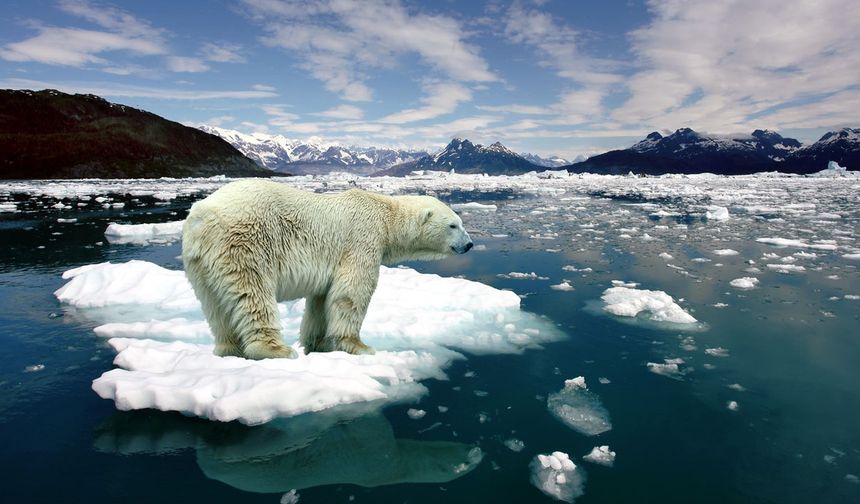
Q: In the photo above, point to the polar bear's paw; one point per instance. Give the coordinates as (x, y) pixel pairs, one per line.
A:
(259, 350)
(354, 345)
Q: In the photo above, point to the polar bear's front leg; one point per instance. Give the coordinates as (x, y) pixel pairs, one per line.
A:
(345, 308)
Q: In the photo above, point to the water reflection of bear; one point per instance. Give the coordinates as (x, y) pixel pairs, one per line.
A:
(301, 452)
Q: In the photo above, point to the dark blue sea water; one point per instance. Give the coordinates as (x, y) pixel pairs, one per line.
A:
(790, 361)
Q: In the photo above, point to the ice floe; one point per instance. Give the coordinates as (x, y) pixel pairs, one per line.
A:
(671, 368)
(656, 306)
(601, 455)
(579, 408)
(472, 205)
(744, 283)
(789, 242)
(415, 320)
(557, 476)
(143, 233)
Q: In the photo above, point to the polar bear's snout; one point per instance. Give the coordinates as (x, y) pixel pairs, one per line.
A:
(463, 244)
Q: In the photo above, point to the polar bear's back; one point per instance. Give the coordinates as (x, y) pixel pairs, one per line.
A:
(294, 236)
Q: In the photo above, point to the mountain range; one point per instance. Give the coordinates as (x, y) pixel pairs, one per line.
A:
(49, 134)
(463, 156)
(687, 151)
(279, 153)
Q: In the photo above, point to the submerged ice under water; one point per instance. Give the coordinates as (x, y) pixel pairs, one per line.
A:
(744, 291)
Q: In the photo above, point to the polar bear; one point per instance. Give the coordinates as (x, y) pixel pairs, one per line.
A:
(255, 242)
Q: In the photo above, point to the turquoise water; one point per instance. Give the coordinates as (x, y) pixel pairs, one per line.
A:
(789, 359)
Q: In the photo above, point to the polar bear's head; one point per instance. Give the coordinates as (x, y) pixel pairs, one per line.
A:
(439, 231)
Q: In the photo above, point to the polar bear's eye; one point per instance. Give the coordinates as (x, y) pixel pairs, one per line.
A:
(453, 226)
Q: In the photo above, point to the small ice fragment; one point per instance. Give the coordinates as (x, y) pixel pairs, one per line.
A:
(515, 444)
(604, 381)
(738, 387)
(717, 352)
(670, 368)
(557, 476)
(852, 478)
(601, 455)
(563, 286)
(664, 255)
(291, 497)
(717, 213)
(442, 409)
(630, 302)
(725, 252)
(415, 414)
(579, 408)
(576, 383)
(732, 405)
(34, 368)
(744, 283)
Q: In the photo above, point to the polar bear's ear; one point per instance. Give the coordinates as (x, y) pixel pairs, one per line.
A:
(425, 215)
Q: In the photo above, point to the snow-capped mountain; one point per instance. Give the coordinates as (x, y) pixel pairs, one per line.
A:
(842, 146)
(463, 156)
(549, 162)
(280, 153)
(687, 151)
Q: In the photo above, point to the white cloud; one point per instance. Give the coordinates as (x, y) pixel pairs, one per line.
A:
(124, 91)
(725, 66)
(516, 109)
(223, 53)
(75, 47)
(441, 98)
(340, 42)
(186, 65)
(343, 112)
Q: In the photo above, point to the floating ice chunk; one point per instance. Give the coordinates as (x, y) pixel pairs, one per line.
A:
(515, 444)
(415, 414)
(472, 205)
(291, 497)
(522, 276)
(726, 252)
(786, 268)
(738, 387)
(787, 242)
(557, 476)
(852, 478)
(413, 320)
(852, 256)
(744, 283)
(670, 368)
(35, 368)
(622, 283)
(604, 380)
(66, 221)
(142, 233)
(563, 286)
(732, 405)
(666, 256)
(8, 207)
(601, 455)
(717, 352)
(576, 383)
(717, 213)
(579, 408)
(629, 302)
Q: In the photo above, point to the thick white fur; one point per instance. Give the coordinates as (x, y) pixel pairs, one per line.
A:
(256, 242)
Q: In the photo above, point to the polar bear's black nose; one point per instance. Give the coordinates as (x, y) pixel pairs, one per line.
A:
(469, 246)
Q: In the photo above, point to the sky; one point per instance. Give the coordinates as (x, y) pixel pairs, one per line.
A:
(565, 77)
